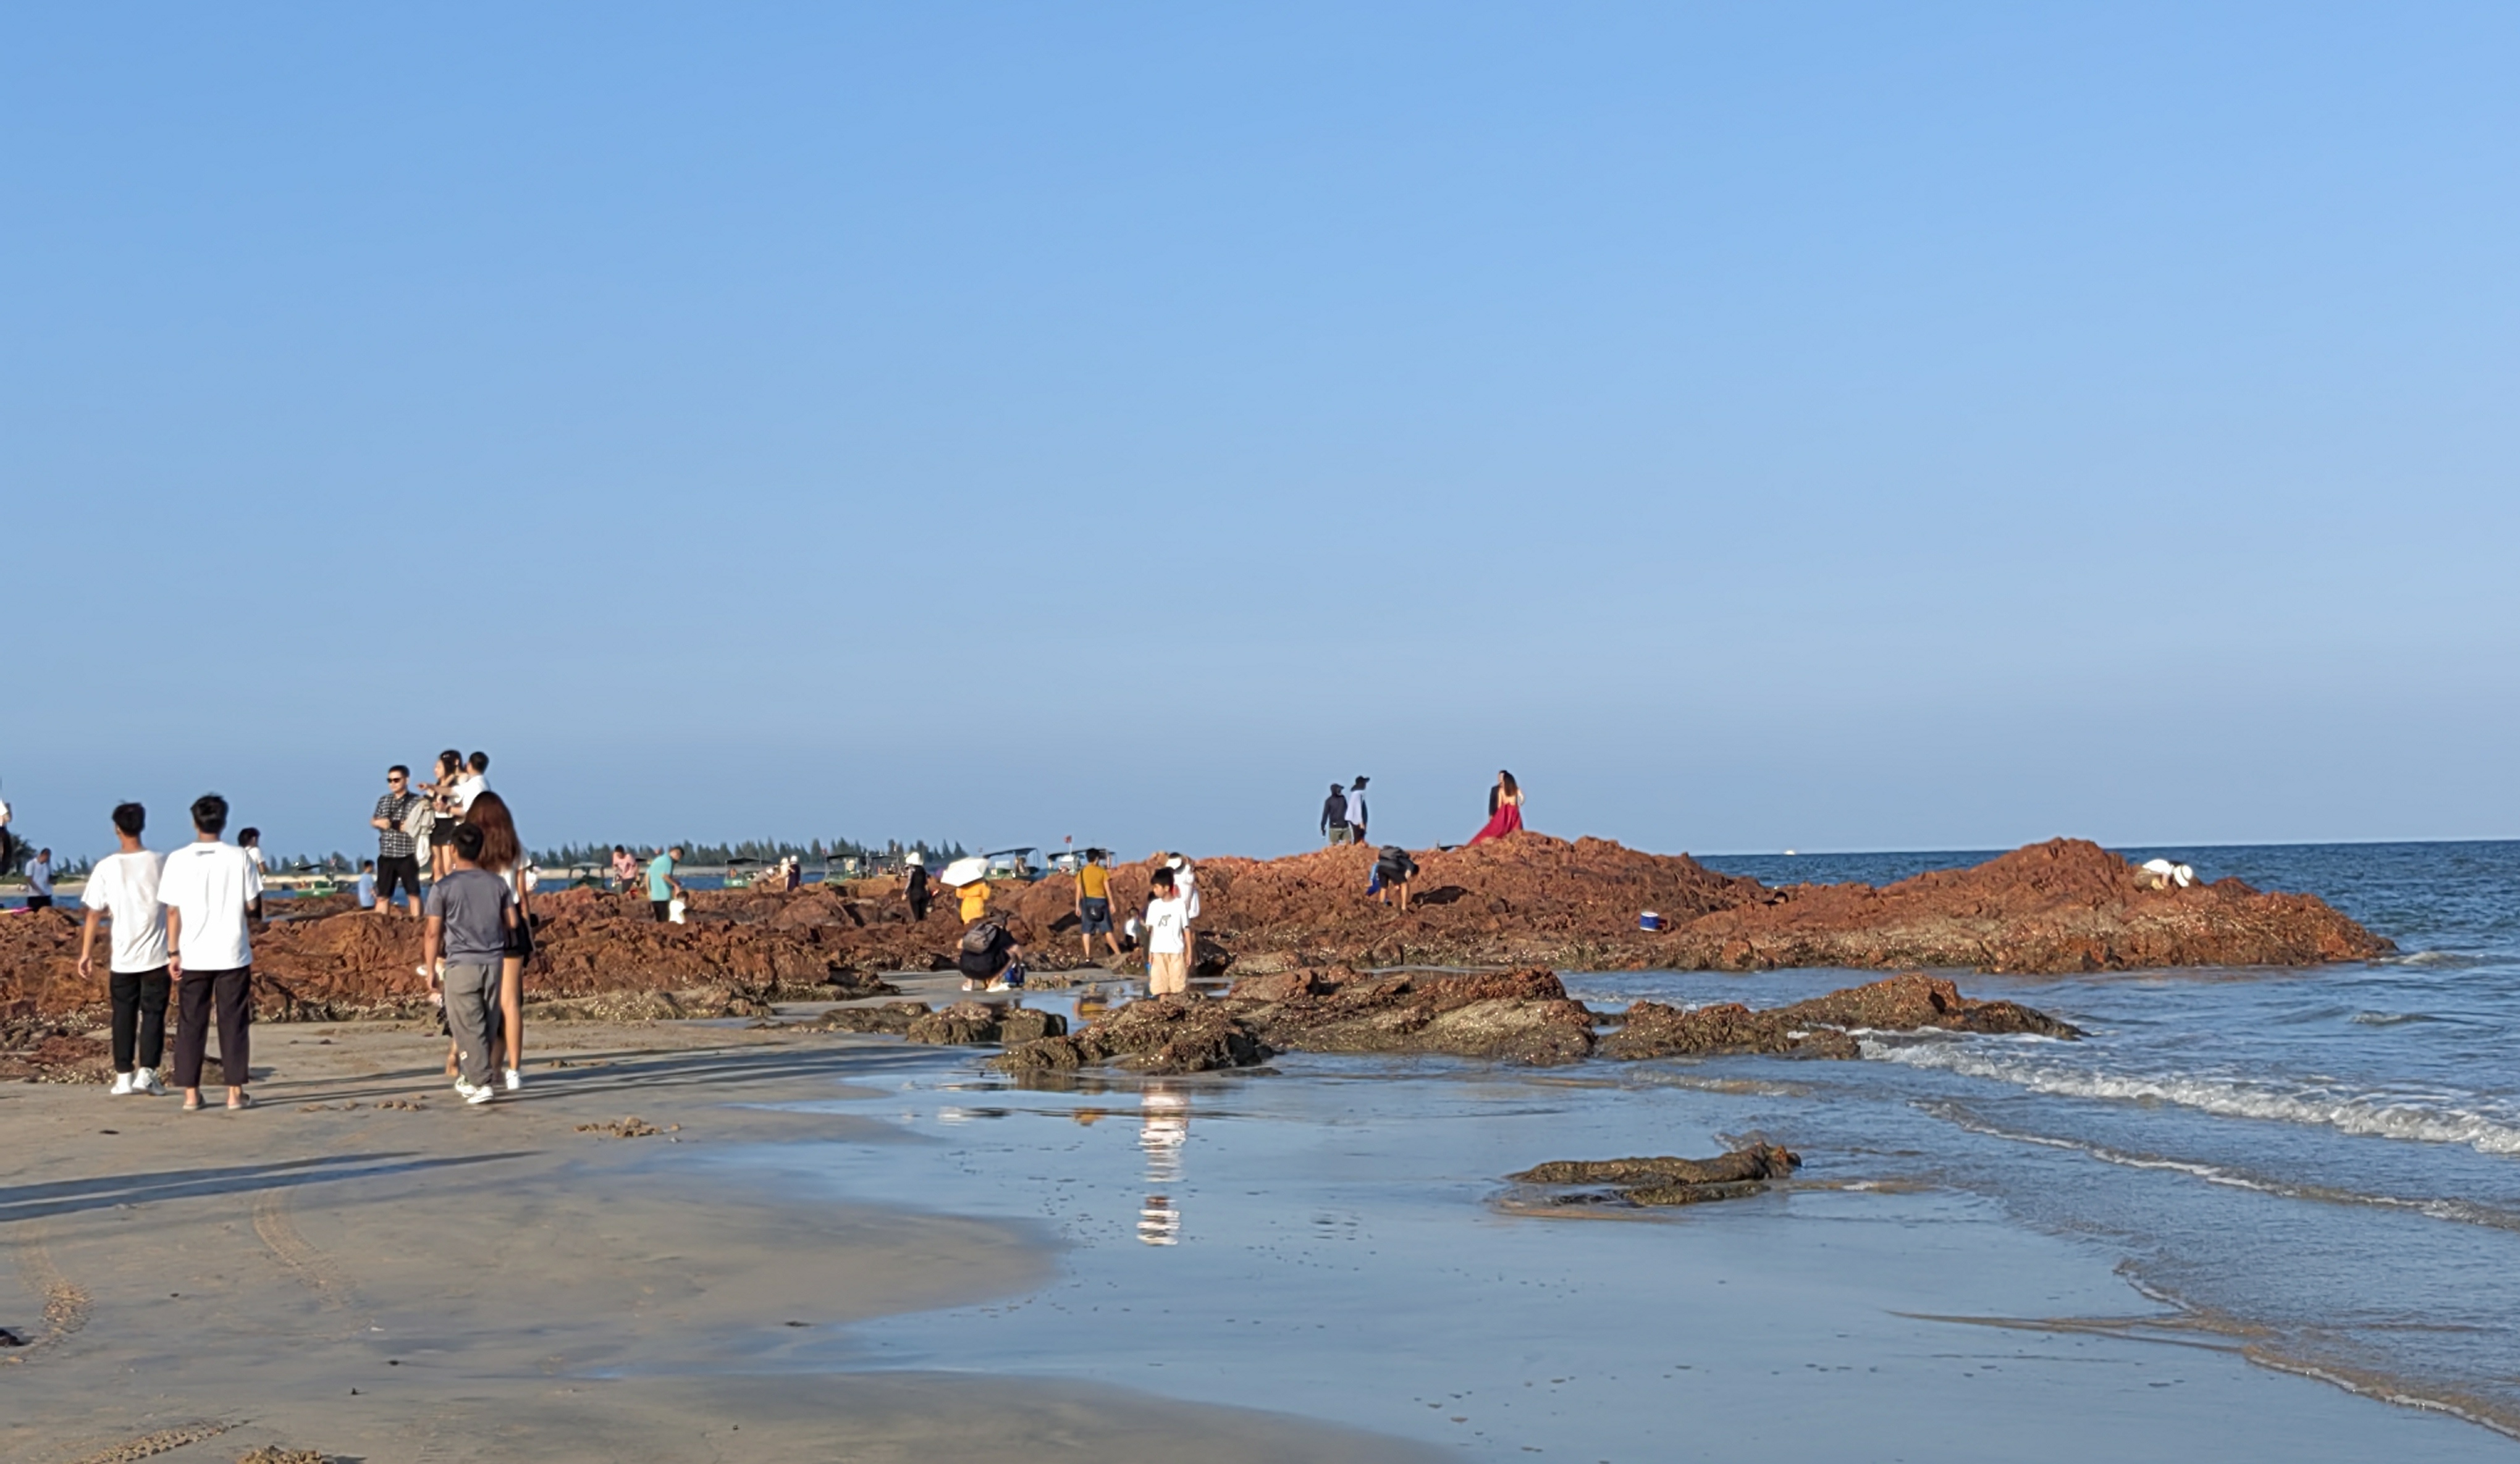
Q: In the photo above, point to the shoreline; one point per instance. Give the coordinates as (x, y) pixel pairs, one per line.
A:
(645, 1289)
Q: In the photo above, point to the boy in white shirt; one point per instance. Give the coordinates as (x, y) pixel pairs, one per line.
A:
(123, 888)
(1167, 936)
(211, 889)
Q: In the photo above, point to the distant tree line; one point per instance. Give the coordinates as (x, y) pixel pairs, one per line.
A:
(766, 850)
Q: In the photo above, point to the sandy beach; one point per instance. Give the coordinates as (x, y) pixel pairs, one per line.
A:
(365, 1268)
(843, 1247)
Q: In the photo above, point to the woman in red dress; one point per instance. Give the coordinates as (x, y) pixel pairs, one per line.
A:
(1505, 809)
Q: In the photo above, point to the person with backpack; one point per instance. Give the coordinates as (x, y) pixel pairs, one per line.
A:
(990, 958)
(1334, 825)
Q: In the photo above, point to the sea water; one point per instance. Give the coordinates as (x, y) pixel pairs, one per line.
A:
(2268, 1175)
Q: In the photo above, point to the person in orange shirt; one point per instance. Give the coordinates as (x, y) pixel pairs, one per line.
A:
(1093, 904)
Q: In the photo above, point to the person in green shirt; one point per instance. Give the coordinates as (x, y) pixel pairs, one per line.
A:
(662, 886)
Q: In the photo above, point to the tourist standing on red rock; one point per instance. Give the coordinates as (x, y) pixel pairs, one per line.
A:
(626, 869)
(397, 857)
(123, 888)
(469, 915)
(1505, 809)
(1168, 935)
(39, 880)
(441, 801)
(1334, 826)
(211, 889)
(503, 855)
(1356, 808)
(1093, 904)
(663, 889)
(914, 887)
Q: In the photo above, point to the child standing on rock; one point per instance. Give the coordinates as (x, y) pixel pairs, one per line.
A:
(1167, 936)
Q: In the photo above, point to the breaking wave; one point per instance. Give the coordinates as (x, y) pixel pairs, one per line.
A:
(2380, 1117)
(2462, 1212)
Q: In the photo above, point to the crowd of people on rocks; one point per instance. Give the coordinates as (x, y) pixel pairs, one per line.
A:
(181, 923)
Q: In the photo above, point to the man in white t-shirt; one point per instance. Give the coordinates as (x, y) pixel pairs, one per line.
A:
(123, 888)
(474, 783)
(211, 891)
(39, 880)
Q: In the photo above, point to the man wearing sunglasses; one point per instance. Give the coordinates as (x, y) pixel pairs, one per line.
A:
(397, 858)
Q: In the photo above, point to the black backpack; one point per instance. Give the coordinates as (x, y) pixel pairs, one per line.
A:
(982, 938)
(1395, 865)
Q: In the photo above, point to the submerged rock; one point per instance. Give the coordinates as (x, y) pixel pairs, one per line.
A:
(1667, 1180)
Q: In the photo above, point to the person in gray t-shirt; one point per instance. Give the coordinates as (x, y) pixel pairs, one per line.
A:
(468, 915)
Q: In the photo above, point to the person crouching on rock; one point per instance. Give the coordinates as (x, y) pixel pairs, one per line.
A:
(1393, 868)
(470, 913)
(989, 951)
(1167, 936)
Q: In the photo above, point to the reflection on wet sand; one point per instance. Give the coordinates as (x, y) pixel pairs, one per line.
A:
(1164, 1127)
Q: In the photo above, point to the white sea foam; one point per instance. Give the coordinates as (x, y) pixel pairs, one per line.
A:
(2416, 1120)
(2461, 1212)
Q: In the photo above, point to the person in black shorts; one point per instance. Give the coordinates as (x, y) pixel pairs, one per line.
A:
(397, 858)
(441, 834)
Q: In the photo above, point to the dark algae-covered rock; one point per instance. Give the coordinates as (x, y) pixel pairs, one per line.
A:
(974, 1023)
(1181, 1033)
(1513, 1016)
(1663, 1180)
(1818, 1028)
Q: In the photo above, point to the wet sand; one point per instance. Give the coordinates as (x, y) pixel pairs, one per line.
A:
(384, 1284)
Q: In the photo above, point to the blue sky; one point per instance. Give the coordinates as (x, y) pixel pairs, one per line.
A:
(1814, 426)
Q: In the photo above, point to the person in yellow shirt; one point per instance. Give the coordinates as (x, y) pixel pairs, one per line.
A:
(975, 899)
(1094, 902)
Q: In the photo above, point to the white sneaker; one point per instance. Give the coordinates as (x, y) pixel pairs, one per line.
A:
(482, 1094)
(123, 1088)
(146, 1082)
(516, 1080)
(465, 1090)
(997, 986)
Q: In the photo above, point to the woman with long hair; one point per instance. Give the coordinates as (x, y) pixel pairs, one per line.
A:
(441, 803)
(503, 854)
(1505, 809)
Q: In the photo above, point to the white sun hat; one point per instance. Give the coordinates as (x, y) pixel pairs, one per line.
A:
(963, 871)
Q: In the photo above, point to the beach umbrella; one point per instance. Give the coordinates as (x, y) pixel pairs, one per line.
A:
(963, 872)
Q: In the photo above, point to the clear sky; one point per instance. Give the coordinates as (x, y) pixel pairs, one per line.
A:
(1757, 426)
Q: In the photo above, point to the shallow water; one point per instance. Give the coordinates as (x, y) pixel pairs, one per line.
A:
(2320, 1171)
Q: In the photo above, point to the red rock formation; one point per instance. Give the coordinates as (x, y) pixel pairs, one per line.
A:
(1527, 901)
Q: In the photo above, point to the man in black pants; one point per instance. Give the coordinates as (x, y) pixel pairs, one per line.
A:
(123, 888)
(397, 857)
(211, 890)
